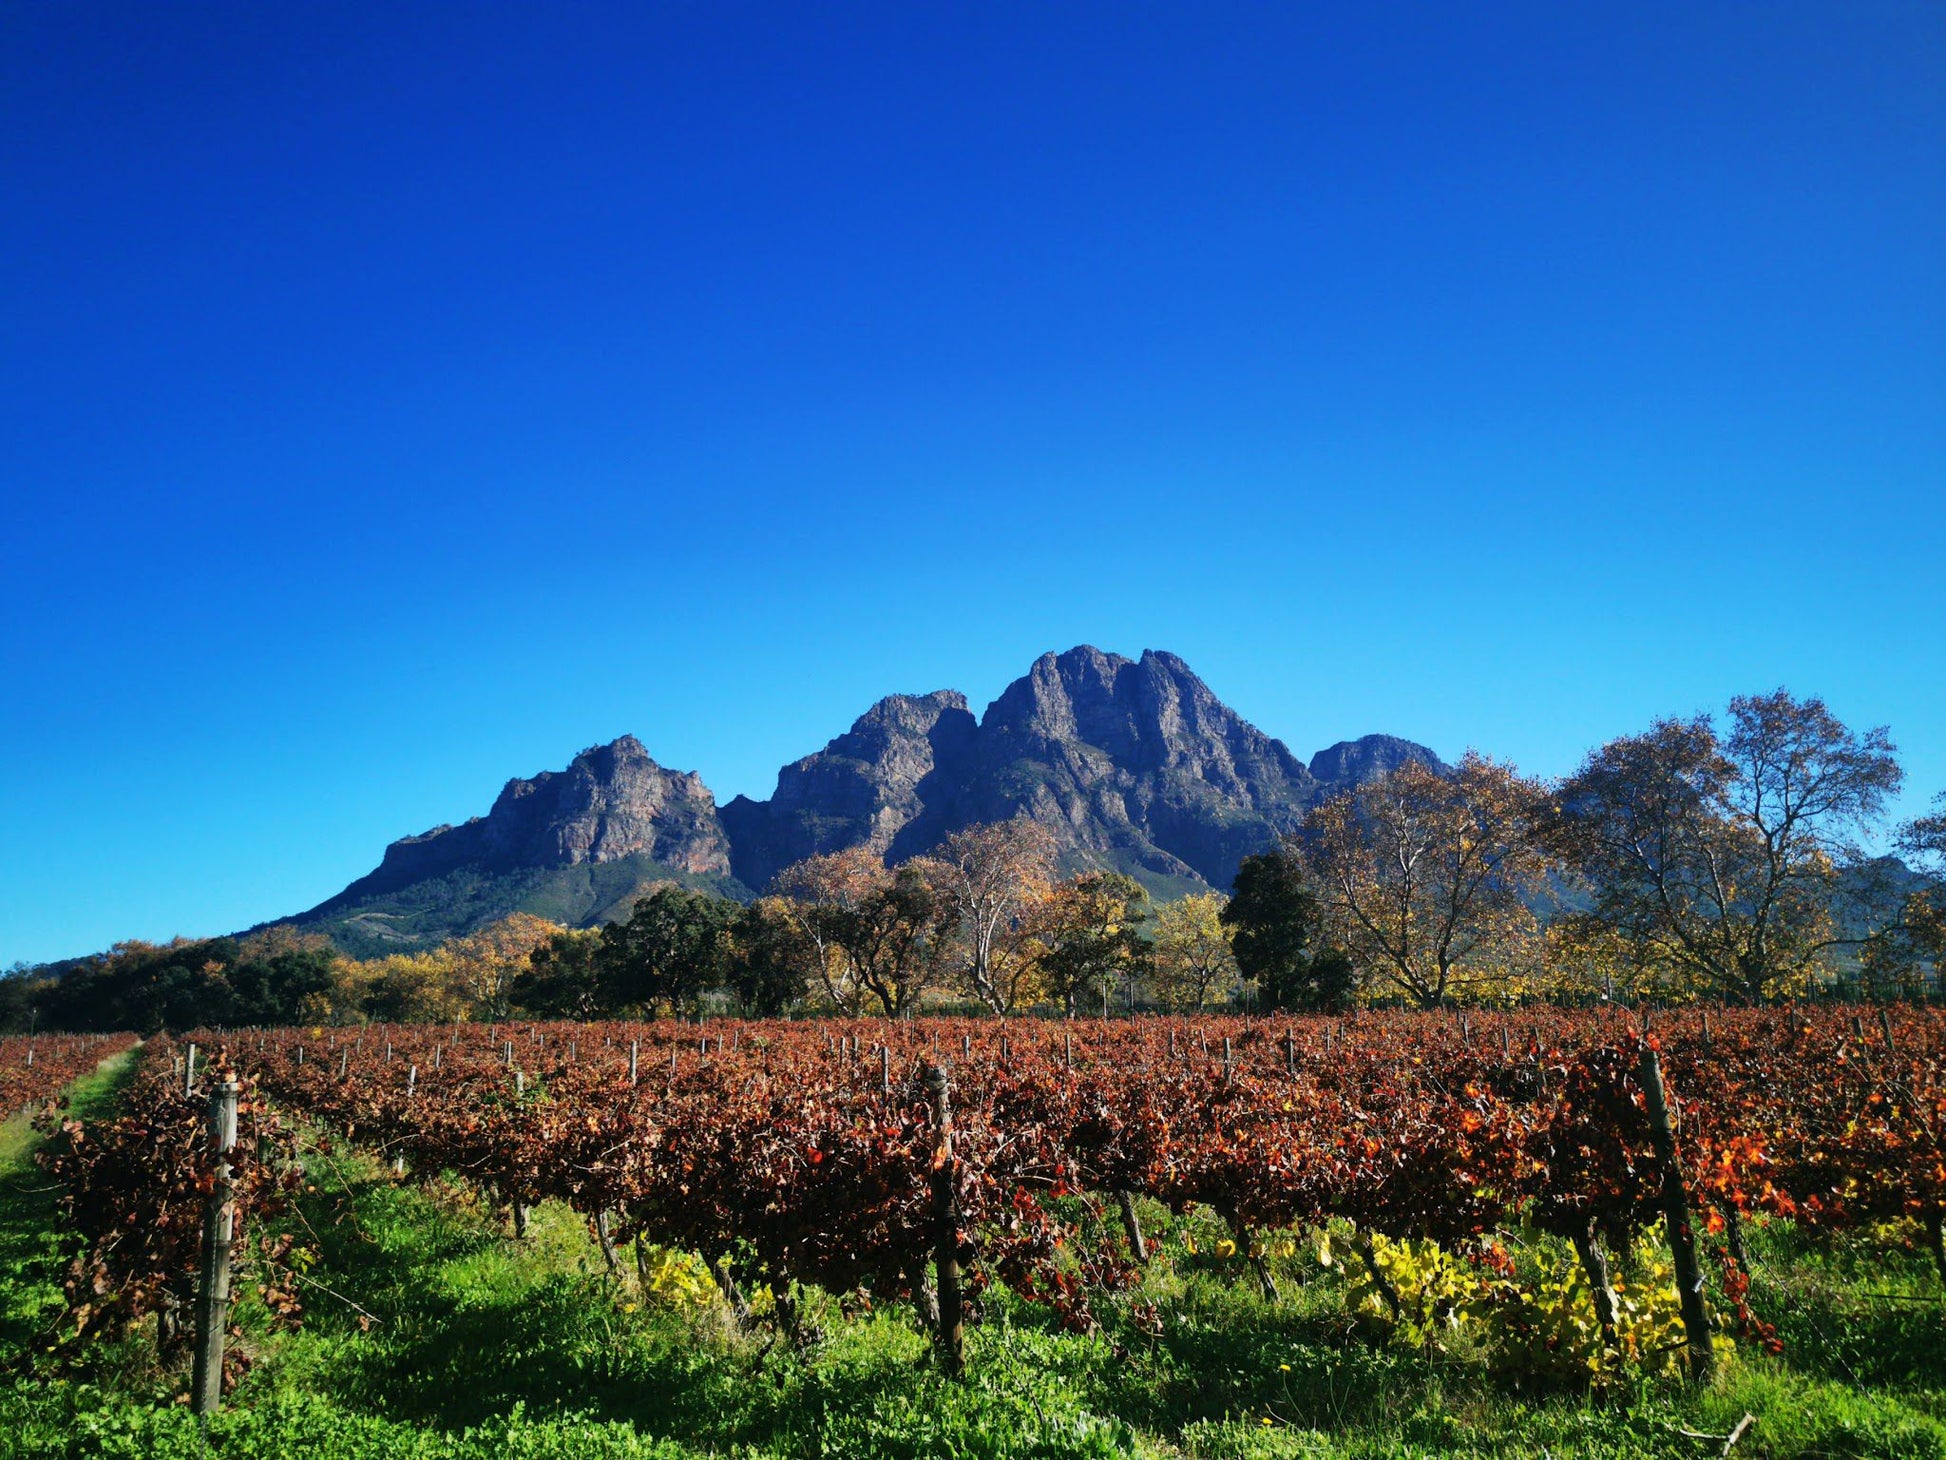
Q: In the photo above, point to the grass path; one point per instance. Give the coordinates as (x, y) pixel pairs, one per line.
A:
(32, 1253)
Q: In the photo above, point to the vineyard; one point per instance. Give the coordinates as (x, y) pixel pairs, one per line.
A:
(34, 1069)
(1572, 1199)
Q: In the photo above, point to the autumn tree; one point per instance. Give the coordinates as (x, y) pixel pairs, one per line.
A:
(875, 935)
(992, 876)
(1088, 938)
(1732, 859)
(1192, 959)
(1917, 938)
(1426, 876)
(1275, 921)
(486, 962)
(402, 988)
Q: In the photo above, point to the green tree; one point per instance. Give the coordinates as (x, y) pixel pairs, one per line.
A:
(872, 935)
(672, 947)
(771, 962)
(1192, 961)
(563, 977)
(1276, 924)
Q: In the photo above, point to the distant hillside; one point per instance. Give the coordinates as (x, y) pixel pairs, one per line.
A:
(1134, 765)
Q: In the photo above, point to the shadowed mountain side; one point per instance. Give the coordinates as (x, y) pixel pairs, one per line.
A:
(863, 789)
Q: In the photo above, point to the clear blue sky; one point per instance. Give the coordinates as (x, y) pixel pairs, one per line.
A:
(394, 399)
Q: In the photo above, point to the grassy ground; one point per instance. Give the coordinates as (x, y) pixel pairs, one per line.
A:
(442, 1336)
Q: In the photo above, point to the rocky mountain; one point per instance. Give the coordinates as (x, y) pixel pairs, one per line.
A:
(571, 845)
(1353, 762)
(1133, 764)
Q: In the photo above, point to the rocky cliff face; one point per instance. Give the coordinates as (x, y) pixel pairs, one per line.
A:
(863, 789)
(1132, 764)
(611, 803)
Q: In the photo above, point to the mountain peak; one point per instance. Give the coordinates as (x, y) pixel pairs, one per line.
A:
(1353, 762)
(611, 803)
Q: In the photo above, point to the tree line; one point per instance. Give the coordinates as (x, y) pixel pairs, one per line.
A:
(1720, 857)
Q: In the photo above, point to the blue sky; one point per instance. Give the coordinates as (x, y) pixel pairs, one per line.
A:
(397, 399)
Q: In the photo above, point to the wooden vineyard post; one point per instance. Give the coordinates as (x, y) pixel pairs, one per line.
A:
(945, 1209)
(189, 1072)
(885, 1069)
(634, 1051)
(219, 1227)
(1675, 1209)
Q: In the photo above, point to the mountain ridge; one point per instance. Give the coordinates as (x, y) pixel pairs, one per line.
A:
(1134, 764)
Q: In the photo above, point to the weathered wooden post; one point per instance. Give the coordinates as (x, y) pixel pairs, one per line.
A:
(951, 1336)
(634, 1053)
(885, 1068)
(344, 1061)
(219, 1229)
(1675, 1210)
(189, 1072)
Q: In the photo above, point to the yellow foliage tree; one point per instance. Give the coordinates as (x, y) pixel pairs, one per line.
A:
(1193, 957)
(1427, 877)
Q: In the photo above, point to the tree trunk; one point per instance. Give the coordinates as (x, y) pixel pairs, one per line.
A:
(732, 1291)
(1675, 1210)
(1362, 1245)
(1594, 1262)
(603, 1222)
(1132, 1224)
(1733, 1231)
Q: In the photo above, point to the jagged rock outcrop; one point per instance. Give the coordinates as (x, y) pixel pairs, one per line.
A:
(1133, 764)
(862, 789)
(612, 802)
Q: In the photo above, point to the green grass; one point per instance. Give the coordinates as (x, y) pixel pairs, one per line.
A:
(448, 1338)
